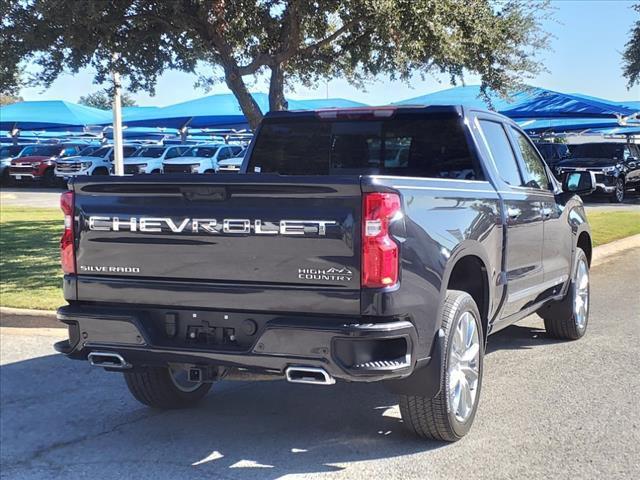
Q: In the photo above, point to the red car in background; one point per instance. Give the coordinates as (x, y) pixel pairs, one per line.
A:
(38, 162)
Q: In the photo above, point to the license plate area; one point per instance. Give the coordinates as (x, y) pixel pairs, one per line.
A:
(205, 330)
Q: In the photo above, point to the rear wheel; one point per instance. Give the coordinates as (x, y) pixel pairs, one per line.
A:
(209, 172)
(618, 194)
(165, 387)
(567, 319)
(100, 171)
(449, 415)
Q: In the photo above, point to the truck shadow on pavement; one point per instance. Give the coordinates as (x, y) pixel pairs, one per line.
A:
(519, 337)
(66, 419)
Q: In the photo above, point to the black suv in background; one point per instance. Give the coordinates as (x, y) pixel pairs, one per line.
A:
(553, 152)
(616, 166)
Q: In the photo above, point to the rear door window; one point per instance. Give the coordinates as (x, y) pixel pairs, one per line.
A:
(433, 145)
(501, 152)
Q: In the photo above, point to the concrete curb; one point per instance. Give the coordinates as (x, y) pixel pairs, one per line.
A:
(23, 318)
(605, 252)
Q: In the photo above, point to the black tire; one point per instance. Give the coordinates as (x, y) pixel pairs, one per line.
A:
(153, 386)
(209, 172)
(560, 318)
(156, 172)
(618, 194)
(100, 171)
(49, 178)
(434, 418)
(6, 179)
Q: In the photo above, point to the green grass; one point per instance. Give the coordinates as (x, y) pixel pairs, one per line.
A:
(30, 275)
(608, 226)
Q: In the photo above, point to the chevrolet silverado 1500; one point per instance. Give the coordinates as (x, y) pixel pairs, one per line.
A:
(361, 245)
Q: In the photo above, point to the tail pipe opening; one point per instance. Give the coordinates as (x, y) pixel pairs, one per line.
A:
(311, 375)
(108, 360)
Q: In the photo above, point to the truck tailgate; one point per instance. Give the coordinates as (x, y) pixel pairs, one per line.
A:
(252, 233)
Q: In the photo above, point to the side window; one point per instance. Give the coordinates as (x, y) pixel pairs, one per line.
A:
(535, 174)
(69, 151)
(224, 153)
(501, 151)
(128, 151)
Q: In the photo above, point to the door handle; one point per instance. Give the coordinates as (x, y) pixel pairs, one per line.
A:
(513, 213)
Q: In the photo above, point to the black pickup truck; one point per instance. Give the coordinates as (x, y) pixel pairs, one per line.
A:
(361, 245)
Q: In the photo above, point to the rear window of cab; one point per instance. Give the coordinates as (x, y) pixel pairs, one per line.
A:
(434, 145)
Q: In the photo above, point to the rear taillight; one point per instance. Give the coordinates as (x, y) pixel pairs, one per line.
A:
(379, 251)
(67, 252)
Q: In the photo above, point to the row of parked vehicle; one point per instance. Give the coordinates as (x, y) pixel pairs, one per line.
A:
(616, 164)
(52, 164)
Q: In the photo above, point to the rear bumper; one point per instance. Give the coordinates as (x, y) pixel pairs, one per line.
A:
(346, 348)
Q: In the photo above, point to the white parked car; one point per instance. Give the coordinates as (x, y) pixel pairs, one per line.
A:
(8, 153)
(97, 162)
(201, 158)
(231, 165)
(149, 159)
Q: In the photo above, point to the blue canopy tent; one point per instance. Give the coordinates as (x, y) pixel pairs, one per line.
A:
(318, 103)
(530, 103)
(51, 115)
(561, 125)
(207, 112)
(218, 111)
(467, 95)
(136, 110)
(631, 104)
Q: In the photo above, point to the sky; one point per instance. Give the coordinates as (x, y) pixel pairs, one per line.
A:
(585, 57)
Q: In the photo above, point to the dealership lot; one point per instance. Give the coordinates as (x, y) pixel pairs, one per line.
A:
(548, 410)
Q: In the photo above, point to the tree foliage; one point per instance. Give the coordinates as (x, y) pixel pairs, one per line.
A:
(103, 101)
(631, 55)
(289, 41)
(8, 99)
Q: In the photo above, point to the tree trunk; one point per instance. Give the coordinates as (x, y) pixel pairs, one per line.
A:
(276, 89)
(248, 105)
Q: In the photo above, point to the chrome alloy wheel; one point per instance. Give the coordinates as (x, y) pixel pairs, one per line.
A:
(179, 375)
(464, 367)
(581, 295)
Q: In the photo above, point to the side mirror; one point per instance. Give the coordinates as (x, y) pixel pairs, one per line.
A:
(580, 183)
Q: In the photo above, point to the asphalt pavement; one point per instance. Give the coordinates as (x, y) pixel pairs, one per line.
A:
(548, 409)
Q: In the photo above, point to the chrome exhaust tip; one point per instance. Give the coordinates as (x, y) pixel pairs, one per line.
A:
(310, 375)
(108, 360)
